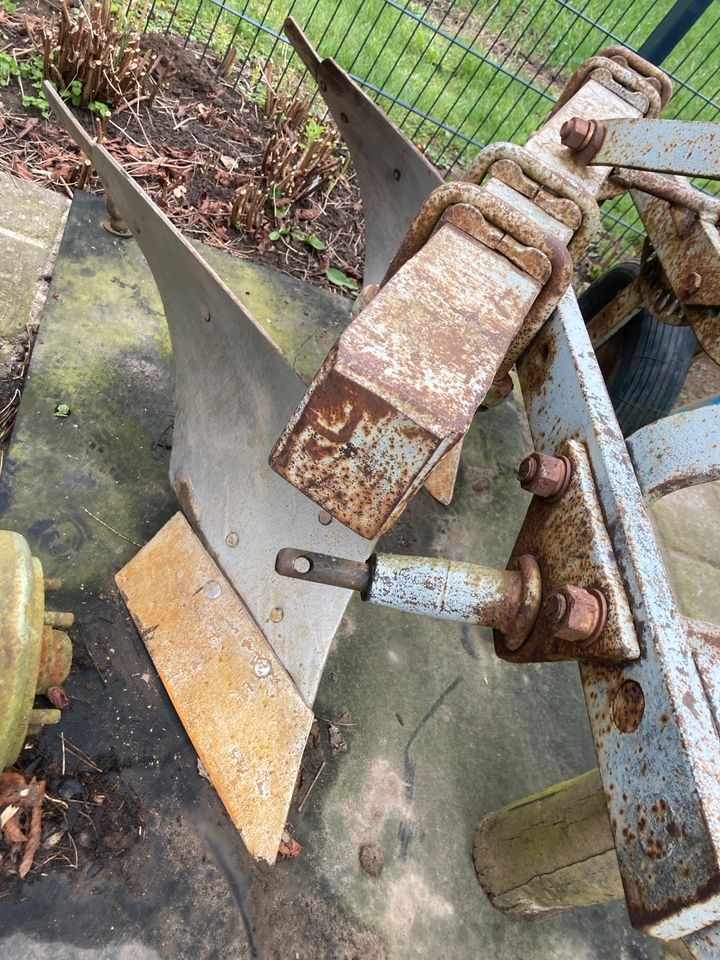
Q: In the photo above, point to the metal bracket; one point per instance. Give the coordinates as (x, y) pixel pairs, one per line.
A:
(568, 539)
(676, 452)
(687, 147)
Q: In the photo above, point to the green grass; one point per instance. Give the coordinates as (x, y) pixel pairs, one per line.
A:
(541, 41)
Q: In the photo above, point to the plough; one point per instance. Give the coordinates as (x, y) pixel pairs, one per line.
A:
(283, 485)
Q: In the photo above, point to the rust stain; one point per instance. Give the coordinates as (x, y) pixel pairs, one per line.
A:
(569, 540)
(404, 382)
(240, 708)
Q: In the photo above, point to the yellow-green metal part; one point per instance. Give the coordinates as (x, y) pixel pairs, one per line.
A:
(32, 656)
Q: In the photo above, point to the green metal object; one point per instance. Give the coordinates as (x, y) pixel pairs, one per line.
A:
(33, 655)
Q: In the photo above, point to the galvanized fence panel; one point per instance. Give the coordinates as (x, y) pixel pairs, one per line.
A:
(458, 74)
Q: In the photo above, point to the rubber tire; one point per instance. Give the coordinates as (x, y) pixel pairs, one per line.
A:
(645, 364)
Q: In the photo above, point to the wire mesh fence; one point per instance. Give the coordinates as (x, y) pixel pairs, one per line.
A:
(455, 75)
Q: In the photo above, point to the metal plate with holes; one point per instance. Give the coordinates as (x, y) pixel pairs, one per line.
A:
(571, 545)
(240, 708)
(234, 393)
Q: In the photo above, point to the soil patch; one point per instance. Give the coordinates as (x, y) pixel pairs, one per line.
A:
(192, 150)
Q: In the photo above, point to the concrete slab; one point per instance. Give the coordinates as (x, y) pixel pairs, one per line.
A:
(688, 523)
(31, 223)
(437, 731)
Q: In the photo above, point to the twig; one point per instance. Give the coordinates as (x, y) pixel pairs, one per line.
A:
(304, 799)
(134, 542)
(62, 741)
(76, 751)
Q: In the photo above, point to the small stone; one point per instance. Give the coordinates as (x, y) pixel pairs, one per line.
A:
(70, 788)
(371, 859)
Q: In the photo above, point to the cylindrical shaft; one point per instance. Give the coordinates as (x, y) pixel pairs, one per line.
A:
(436, 588)
(321, 568)
(676, 192)
(446, 589)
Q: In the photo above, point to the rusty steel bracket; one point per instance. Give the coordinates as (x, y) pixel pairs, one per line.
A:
(653, 725)
(567, 537)
(391, 385)
(35, 655)
(692, 260)
(687, 147)
(403, 383)
(633, 79)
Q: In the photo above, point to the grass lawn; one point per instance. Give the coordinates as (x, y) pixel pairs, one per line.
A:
(496, 83)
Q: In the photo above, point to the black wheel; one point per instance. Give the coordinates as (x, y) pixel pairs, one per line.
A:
(646, 362)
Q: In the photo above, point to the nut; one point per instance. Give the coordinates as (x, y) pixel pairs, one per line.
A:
(545, 476)
(575, 614)
(691, 283)
(576, 132)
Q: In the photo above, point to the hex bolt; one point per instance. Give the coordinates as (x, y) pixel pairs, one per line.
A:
(545, 476)
(527, 470)
(576, 133)
(575, 614)
(691, 283)
(555, 607)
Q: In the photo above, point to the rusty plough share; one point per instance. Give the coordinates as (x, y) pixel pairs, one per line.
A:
(464, 280)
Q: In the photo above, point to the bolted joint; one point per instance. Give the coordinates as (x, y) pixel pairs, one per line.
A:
(545, 476)
(575, 614)
(582, 136)
(690, 283)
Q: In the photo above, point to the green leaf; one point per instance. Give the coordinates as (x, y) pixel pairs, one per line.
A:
(274, 235)
(62, 410)
(341, 279)
(100, 108)
(315, 242)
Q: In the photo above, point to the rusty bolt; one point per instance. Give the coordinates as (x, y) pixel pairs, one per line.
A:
(691, 283)
(576, 614)
(544, 476)
(576, 133)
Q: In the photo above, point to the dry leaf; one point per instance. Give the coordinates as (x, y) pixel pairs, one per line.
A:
(7, 814)
(291, 848)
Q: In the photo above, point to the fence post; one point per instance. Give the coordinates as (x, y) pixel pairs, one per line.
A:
(672, 28)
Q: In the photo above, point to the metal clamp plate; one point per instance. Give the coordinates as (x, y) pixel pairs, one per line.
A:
(571, 545)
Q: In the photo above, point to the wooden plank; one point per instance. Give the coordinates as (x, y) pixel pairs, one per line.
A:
(549, 851)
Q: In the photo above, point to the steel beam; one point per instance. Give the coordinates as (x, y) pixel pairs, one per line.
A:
(676, 452)
(687, 147)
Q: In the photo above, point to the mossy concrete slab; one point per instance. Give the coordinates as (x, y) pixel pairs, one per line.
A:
(438, 731)
(31, 223)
